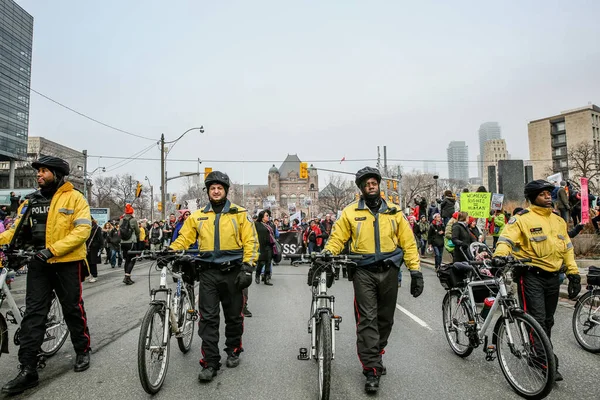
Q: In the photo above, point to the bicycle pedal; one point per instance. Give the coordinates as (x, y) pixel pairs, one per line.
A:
(193, 314)
(303, 356)
(490, 353)
(338, 321)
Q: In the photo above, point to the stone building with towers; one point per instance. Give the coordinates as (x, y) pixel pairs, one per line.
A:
(290, 191)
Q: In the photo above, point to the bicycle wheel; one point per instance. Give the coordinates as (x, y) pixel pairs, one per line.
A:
(528, 363)
(185, 323)
(586, 321)
(153, 354)
(324, 355)
(456, 315)
(56, 330)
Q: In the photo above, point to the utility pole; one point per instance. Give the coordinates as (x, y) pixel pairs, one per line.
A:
(385, 189)
(85, 174)
(162, 175)
(400, 186)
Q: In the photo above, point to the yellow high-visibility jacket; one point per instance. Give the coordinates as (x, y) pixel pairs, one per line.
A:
(541, 235)
(142, 234)
(225, 237)
(68, 226)
(384, 236)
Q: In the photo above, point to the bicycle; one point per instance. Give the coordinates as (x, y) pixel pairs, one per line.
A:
(522, 347)
(56, 328)
(586, 315)
(172, 315)
(323, 321)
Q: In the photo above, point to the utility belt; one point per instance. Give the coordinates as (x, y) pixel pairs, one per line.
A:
(542, 272)
(223, 267)
(379, 266)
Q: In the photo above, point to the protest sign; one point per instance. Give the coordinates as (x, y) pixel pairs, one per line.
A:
(477, 204)
(291, 242)
(497, 200)
(585, 203)
(101, 215)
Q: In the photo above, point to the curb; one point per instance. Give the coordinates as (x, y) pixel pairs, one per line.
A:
(564, 294)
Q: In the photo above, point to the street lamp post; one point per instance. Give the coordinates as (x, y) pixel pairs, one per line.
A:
(163, 162)
(435, 178)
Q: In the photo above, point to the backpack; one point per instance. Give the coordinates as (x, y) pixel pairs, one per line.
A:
(125, 229)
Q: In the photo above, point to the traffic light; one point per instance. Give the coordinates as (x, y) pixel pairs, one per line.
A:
(396, 199)
(382, 194)
(357, 196)
(389, 184)
(173, 198)
(303, 170)
(138, 190)
(395, 185)
(159, 206)
(390, 199)
(207, 170)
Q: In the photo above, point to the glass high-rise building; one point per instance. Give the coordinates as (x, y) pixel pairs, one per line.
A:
(487, 131)
(458, 161)
(16, 39)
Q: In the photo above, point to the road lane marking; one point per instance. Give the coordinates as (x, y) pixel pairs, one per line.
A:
(414, 317)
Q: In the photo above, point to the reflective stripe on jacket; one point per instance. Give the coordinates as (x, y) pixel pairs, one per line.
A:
(541, 235)
(68, 226)
(228, 236)
(385, 235)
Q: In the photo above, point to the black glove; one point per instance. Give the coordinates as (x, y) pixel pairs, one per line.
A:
(416, 283)
(244, 277)
(326, 255)
(43, 255)
(574, 285)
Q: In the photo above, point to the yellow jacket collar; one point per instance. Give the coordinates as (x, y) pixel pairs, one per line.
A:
(545, 211)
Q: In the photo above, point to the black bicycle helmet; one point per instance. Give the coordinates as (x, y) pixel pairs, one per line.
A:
(217, 177)
(52, 163)
(534, 188)
(366, 173)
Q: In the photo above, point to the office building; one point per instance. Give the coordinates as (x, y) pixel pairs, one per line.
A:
(494, 151)
(458, 161)
(16, 38)
(487, 131)
(552, 138)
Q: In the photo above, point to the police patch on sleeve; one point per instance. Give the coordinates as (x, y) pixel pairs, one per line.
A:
(512, 220)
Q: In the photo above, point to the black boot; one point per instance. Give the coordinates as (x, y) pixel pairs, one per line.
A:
(26, 379)
(337, 273)
(344, 273)
(247, 312)
(558, 376)
(257, 278)
(372, 384)
(207, 374)
(82, 362)
(268, 280)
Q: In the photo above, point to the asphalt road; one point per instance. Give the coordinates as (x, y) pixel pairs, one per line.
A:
(419, 361)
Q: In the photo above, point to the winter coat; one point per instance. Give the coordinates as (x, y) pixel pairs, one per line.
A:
(563, 200)
(114, 239)
(462, 239)
(431, 211)
(265, 241)
(155, 236)
(14, 203)
(424, 227)
(447, 207)
(128, 218)
(94, 244)
(434, 237)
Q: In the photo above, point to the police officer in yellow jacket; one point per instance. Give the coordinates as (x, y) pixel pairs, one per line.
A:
(228, 250)
(541, 235)
(55, 221)
(381, 233)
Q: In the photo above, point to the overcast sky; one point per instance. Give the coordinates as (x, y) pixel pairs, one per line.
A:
(323, 79)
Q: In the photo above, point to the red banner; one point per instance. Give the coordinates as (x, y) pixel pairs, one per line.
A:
(585, 202)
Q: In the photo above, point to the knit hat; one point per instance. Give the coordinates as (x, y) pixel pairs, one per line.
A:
(128, 209)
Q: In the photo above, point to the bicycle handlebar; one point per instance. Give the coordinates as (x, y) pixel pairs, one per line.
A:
(314, 256)
(169, 253)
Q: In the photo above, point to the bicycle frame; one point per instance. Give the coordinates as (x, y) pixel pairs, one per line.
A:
(8, 296)
(322, 302)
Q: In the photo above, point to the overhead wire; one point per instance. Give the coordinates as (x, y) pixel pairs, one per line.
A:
(141, 153)
(78, 112)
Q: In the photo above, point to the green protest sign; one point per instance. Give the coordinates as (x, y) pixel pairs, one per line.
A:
(476, 204)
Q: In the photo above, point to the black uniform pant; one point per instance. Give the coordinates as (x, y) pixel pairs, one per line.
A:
(218, 288)
(375, 295)
(129, 261)
(538, 294)
(65, 279)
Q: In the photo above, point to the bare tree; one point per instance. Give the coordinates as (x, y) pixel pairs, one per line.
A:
(102, 191)
(583, 163)
(417, 184)
(336, 195)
